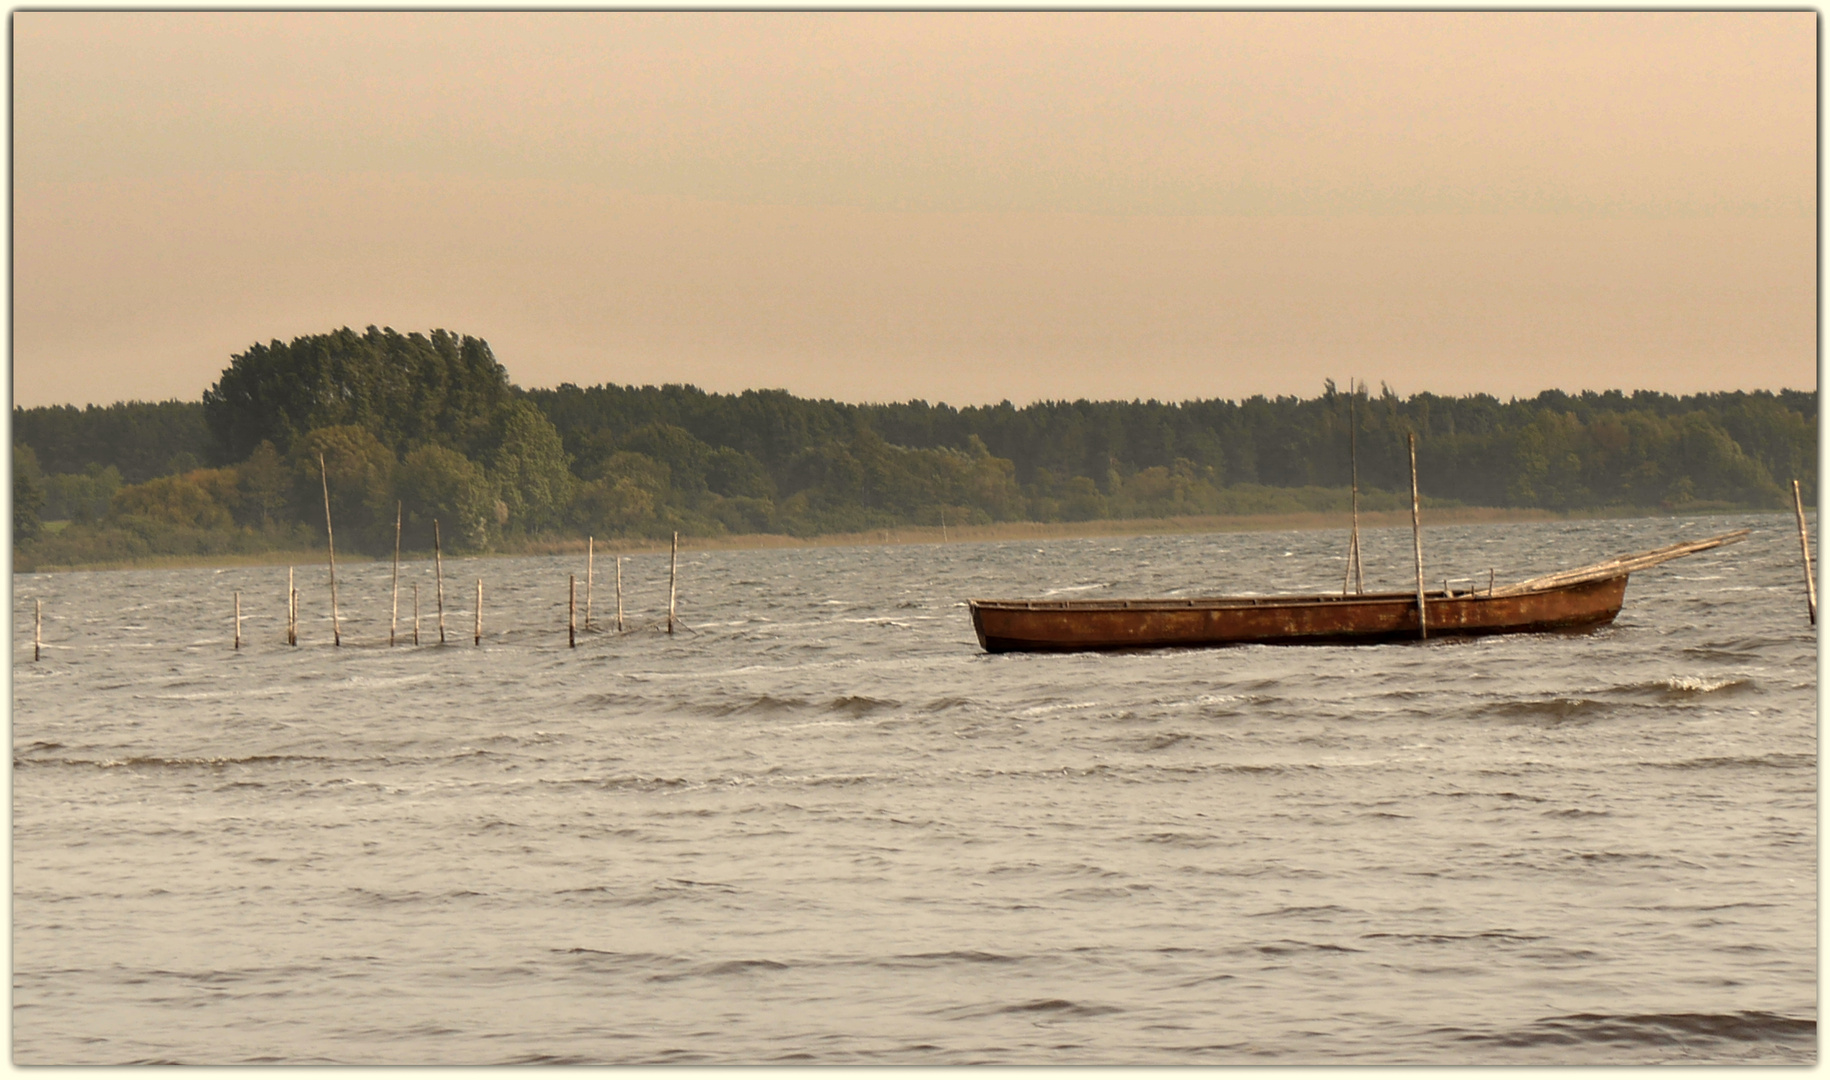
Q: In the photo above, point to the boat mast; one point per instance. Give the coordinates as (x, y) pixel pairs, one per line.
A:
(1355, 572)
(1423, 628)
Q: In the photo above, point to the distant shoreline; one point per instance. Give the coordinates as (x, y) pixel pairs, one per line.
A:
(1303, 521)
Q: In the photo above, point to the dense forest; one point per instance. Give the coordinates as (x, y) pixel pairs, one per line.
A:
(430, 427)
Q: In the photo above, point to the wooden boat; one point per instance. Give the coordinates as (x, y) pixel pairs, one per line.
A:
(1572, 600)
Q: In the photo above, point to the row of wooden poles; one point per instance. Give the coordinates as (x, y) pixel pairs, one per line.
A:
(438, 560)
(572, 625)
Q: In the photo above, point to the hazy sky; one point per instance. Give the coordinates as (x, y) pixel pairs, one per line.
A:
(956, 207)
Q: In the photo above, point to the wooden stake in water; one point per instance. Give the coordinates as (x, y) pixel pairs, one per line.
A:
(590, 541)
(292, 610)
(1355, 572)
(336, 630)
(438, 560)
(238, 621)
(37, 628)
(394, 612)
(1804, 545)
(943, 524)
(619, 594)
(416, 613)
(572, 611)
(673, 567)
(479, 637)
(1423, 629)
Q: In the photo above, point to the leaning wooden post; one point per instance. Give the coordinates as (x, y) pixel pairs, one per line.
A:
(37, 628)
(438, 560)
(572, 611)
(1359, 564)
(1804, 545)
(394, 612)
(1353, 458)
(673, 569)
(238, 620)
(336, 631)
(416, 613)
(590, 541)
(1423, 627)
(479, 637)
(619, 594)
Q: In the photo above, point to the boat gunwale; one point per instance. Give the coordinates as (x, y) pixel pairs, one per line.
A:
(1211, 603)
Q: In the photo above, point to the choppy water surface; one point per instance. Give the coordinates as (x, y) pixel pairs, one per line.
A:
(822, 826)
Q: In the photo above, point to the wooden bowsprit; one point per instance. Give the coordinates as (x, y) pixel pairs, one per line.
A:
(1619, 566)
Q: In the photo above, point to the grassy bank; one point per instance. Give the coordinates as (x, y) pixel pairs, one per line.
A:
(1010, 530)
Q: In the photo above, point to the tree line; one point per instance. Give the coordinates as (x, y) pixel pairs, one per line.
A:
(429, 427)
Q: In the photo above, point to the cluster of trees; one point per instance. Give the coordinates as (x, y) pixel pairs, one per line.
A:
(138, 439)
(378, 423)
(430, 425)
(1087, 459)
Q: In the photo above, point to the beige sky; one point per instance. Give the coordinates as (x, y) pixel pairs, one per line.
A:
(957, 207)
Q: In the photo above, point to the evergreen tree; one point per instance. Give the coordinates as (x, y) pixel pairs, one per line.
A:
(28, 493)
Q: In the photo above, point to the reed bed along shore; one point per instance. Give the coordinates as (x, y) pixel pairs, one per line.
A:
(1303, 521)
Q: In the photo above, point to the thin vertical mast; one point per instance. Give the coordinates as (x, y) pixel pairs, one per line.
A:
(1423, 626)
(1804, 544)
(336, 631)
(1353, 573)
(394, 612)
(438, 562)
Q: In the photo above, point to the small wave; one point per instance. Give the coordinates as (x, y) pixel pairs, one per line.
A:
(624, 783)
(376, 898)
(1179, 839)
(1037, 1007)
(1762, 761)
(1060, 1006)
(1165, 740)
(763, 704)
(1656, 1029)
(619, 957)
(1044, 710)
(1293, 948)
(180, 763)
(741, 967)
(1505, 936)
(839, 779)
(1316, 909)
(970, 956)
(1558, 710)
(1683, 686)
(859, 705)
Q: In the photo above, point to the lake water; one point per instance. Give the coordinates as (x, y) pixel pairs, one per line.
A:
(819, 825)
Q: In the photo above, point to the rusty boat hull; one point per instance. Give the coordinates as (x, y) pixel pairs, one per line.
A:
(1363, 619)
